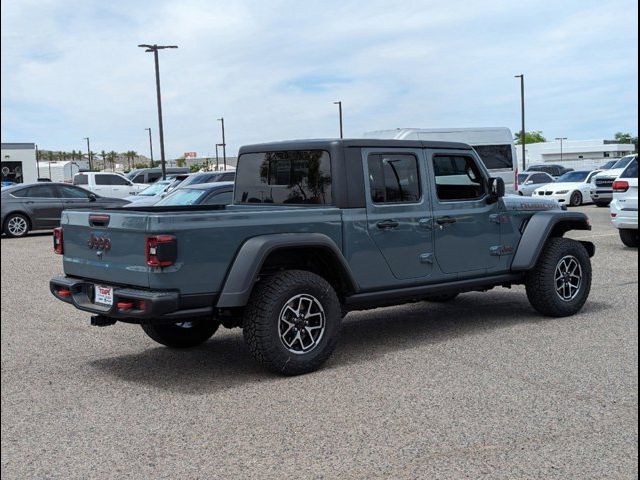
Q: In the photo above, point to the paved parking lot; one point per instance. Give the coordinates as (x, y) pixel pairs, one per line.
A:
(479, 388)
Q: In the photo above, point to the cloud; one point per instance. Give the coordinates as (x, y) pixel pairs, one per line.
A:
(72, 69)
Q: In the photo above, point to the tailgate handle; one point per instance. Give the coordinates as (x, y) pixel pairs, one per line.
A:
(96, 220)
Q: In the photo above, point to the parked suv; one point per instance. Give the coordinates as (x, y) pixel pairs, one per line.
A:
(602, 188)
(318, 228)
(624, 207)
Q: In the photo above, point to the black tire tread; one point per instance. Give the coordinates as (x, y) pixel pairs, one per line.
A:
(258, 317)
(541, 291)
(629, 237)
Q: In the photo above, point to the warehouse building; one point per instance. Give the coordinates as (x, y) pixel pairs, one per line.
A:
(576, 154)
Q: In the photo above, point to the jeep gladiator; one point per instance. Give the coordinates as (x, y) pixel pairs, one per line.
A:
(318, 228)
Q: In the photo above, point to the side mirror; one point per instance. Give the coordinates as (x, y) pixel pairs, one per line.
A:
(92, 197)
(497, 189)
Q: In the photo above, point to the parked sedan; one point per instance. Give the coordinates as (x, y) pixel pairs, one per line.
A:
(573, 188)
(157, 190)
(529, 181)
(38, 206)
(218, 193)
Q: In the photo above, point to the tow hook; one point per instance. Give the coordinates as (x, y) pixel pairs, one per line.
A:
(102, 321)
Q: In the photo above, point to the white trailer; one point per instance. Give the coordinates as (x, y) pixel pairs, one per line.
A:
(494, 146)
(58, 171)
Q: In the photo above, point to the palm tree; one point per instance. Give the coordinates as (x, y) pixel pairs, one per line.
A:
(113, 156)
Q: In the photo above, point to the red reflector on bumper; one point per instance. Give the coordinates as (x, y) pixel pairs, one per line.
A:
(64, 293)
(125, 305)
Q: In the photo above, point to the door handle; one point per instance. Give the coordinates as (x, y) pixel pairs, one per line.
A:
(446, 220)
(388, 224)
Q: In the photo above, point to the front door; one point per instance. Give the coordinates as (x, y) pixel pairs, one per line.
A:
(399, 211)
(42, 204)
(467, 226)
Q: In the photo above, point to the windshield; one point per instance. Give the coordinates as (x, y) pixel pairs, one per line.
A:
(622, 163)
(199, 178)
(573, 177)
(156, 189)
(182, 196)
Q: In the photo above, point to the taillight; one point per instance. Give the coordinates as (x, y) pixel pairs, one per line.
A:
(58, 244)
(161, 250)
(620, 186)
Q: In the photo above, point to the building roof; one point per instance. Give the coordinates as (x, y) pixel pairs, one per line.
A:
(18, 146)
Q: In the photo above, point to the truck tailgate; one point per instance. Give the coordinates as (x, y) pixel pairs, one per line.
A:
(110, 249)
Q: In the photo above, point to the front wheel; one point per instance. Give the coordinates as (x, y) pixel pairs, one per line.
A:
(629, 237)
(560, 282)
(576, 199)
(16, 225)
(182, 335)
(292, 322)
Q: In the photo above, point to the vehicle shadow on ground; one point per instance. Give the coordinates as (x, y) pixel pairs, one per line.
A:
(225, 362)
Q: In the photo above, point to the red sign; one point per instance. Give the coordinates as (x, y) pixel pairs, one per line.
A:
(190, 155)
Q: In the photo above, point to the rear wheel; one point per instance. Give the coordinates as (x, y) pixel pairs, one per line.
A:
(629, 237)
(576, 199)
(560, 282)
(16, 225)
(182, 335)
(292, 322)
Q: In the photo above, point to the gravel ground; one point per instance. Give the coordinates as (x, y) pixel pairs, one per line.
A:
(482, 387)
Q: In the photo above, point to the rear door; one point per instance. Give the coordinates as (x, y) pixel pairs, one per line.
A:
(399, 210)
(71, 196)
(467, 227)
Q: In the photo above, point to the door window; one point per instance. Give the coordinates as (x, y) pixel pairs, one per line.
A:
(111, 180)
(71, 192)
(394, 178)
(81, 179)
(39, 191)
(458, 177)
(152, 177)
(139, 178)
(222, 198)
(541, 178)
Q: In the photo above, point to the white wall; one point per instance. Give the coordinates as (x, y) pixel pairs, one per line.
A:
(576, 154)
(25, 153)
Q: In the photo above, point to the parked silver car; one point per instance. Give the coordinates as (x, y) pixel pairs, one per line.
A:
(529, 181)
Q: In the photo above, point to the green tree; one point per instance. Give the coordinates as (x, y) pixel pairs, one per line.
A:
(181, 162)
(530, 137)
(626, 138)
(113, 157)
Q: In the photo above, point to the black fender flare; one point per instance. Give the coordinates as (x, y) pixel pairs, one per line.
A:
(539, 228)
(252, 255)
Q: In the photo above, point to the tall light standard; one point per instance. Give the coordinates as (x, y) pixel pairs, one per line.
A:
(561, 140)
(522, 132)
(89, 153)
(154, 48)
(218, 157)
(339, 103)
(150, 146)
(223, 144)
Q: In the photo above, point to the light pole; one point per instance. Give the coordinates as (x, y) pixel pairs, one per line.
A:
(218, 157)
(339, 103)
(224, 144)
(154, 49)
(561, 139)
(89, 154)
(37, 162)
(150, 146)
(522, 132)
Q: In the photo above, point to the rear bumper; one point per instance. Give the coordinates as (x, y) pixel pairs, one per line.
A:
(161, 306)
(601, 194)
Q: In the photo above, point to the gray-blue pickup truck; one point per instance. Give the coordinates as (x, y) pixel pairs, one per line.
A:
(318, 228)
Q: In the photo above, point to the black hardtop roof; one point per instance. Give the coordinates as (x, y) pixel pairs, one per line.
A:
(331, 143)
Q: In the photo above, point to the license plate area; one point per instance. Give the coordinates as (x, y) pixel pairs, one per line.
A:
(103, 295)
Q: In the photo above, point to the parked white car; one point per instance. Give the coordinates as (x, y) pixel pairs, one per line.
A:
(572, 188)
(601, 191)
(624, 207)
(529, 182)
(108, 184)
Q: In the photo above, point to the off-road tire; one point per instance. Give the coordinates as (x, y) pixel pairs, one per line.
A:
(576, 199)
(540, 281)
(16, 217)
(176, 336)
(629, 237)
(441, 298)
(262, 319)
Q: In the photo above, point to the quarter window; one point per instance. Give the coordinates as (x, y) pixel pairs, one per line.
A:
(111, 180)
(394, 178)
(458, 178)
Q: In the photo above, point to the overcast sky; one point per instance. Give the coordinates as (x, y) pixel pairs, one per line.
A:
(71, 69)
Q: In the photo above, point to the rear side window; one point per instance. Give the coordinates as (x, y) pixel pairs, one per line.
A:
(296, 177)
(394, 178)
(458, 177)
(495, 157)
(152, 177)
(631, 171)
(39, 191)
(220, 198)
(541, 178)
(139, 178)
(111, 180)
(81, 180)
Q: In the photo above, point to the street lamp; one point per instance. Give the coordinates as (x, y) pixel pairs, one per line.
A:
(154, 49)
(150, 146)
(561, 139)
(218, 158)
(89, 154)
(223, 144)
(522, 132)
(339, 103)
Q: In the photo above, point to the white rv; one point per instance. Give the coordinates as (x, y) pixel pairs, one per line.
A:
(494, 146)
